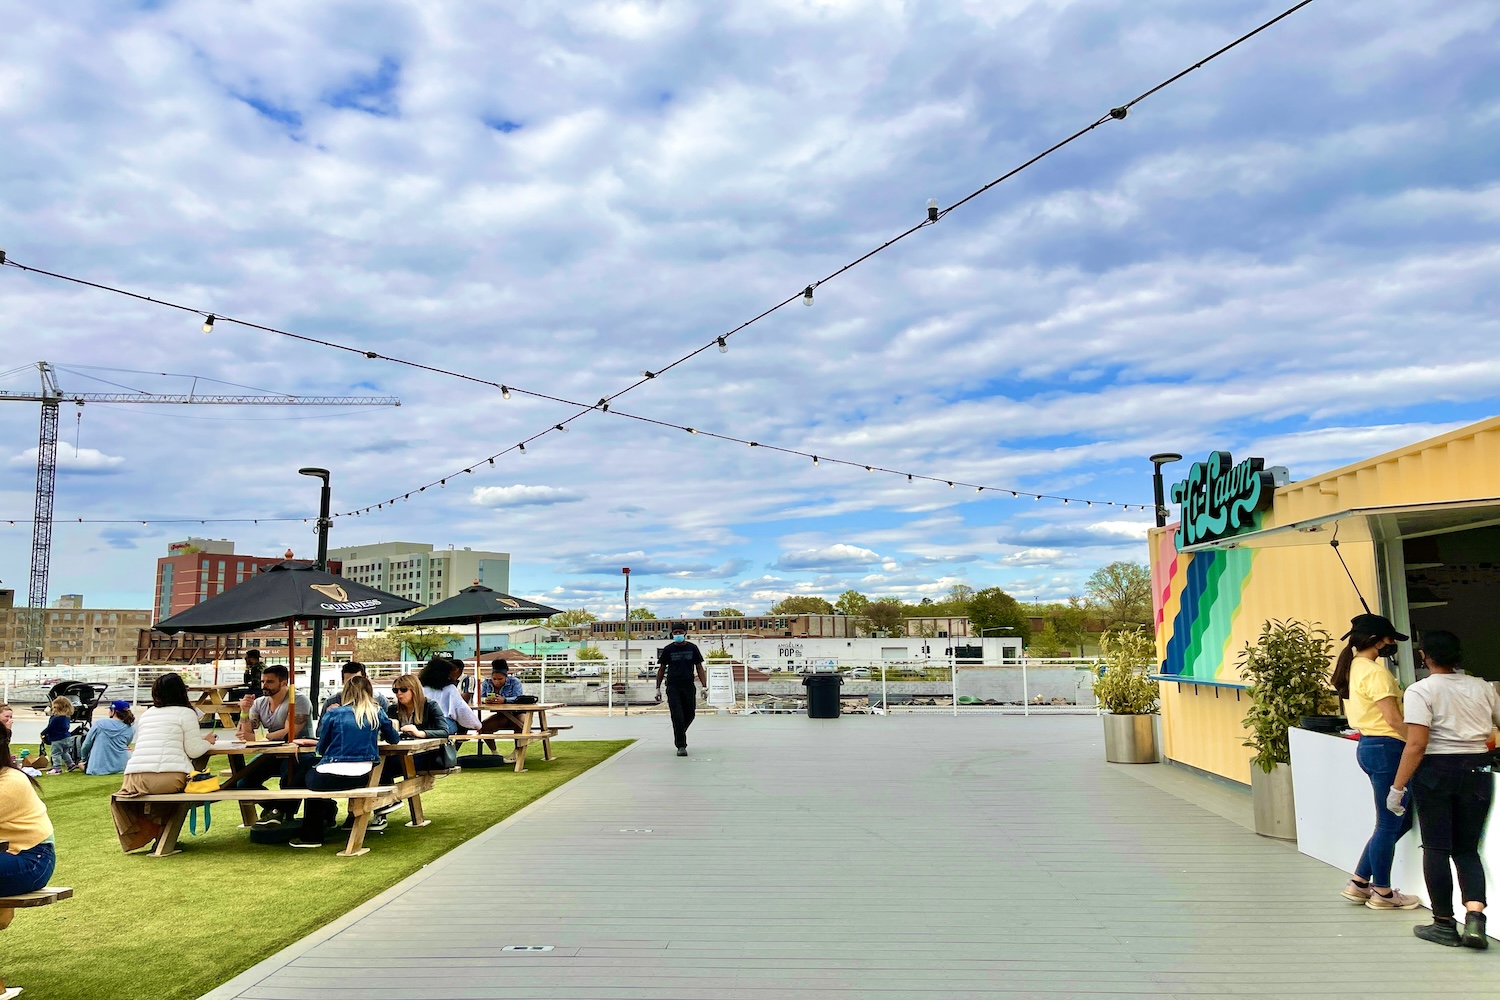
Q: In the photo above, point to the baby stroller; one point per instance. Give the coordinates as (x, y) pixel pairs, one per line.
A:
(85, 697)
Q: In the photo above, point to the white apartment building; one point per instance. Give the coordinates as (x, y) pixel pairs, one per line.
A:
(419, 572)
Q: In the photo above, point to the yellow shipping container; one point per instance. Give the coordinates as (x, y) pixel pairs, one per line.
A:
(1419, 528)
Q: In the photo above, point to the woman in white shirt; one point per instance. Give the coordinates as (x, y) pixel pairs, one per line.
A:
(1450, 717)
(439, 685)
(167, 740)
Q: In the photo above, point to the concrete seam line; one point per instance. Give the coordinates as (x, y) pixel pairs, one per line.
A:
(258, 972)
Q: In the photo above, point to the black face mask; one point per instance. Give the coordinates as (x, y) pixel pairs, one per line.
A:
(1386, 650)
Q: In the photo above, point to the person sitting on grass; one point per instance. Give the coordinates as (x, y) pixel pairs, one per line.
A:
(57, 735)
(347, 671)
(107, 746)
(348, 749)
(167, 741)
(28, 862)
(439, 680)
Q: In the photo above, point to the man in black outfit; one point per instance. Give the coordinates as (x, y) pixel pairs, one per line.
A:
(677, 662)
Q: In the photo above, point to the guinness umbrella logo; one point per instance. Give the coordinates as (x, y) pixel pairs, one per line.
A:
(509, 602)
(332, 591)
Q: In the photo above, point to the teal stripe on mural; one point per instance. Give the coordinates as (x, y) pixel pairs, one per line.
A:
(1231, 588)
(1212, 586)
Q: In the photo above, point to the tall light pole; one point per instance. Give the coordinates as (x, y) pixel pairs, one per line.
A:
(324, 523)
(626, 571)
(1157, 486)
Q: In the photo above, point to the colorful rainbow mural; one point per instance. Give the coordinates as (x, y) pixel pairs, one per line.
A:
(1196, 597)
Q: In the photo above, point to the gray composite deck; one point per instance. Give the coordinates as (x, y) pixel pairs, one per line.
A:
(905, 856)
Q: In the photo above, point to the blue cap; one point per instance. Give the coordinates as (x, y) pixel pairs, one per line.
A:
(119, 704)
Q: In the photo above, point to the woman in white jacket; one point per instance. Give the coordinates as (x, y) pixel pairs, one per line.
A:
(167, 740)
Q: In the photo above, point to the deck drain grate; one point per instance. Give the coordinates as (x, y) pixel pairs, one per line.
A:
(527, 947)
(632, 829)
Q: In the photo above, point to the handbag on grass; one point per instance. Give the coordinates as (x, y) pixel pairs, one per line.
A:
(201, 781)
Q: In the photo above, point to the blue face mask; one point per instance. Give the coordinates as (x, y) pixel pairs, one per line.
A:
(680, 637)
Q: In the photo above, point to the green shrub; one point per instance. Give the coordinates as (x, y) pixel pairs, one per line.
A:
(1287, 667)
(1124, 687)
(590, 653)
(719, 654)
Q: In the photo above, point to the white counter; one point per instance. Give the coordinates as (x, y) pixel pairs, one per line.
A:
(1336, 813)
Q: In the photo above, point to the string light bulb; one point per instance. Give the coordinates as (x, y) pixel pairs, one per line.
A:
(208, 324)
(815, 460)
(932, 210)
(505, 392)
(723, 346)
(692, 430)
(522, 446)
(562, 428)
(807, 295)
(648, 374)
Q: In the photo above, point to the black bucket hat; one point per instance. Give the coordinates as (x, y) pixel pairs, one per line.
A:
(1378, 626)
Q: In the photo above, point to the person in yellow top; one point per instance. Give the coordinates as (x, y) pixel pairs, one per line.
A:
(1372, 701)
(27, 862)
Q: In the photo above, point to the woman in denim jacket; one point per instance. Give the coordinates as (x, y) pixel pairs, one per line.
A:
(348, 749)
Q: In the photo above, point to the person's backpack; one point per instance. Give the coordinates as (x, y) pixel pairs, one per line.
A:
(201, 781)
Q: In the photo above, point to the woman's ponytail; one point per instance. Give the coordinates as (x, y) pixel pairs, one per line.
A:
(1340, 678)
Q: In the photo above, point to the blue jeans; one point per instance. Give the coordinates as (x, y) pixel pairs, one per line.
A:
(1379, 757)
(27, 871)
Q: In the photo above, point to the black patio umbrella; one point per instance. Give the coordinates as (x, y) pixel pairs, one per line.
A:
(287, 591)
(474, 605)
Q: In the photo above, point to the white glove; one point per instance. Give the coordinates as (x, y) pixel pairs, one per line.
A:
(1393, 800)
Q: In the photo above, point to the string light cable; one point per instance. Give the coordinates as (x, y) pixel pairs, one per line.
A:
(934, 214)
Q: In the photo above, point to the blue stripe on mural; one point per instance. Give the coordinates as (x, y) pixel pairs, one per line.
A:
(1190, 599)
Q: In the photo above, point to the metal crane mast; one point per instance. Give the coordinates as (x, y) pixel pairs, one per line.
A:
(52, 397)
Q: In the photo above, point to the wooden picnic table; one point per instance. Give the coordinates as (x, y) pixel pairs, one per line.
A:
(531, 726)
(406, 750)
(211, 702)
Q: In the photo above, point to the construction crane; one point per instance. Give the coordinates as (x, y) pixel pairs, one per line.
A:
(52, 397)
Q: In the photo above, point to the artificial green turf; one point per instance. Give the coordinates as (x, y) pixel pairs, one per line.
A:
(177, 927)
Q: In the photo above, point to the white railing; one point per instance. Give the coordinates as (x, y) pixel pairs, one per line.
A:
(1024, 686)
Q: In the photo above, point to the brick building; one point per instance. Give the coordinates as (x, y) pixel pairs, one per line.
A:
(194, 570)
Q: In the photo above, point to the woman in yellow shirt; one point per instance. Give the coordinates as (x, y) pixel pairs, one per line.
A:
(1372, 701)
(27, 863)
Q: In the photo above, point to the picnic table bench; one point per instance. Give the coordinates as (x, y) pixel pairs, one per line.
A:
(211, 703)
(362, 801)
(533, 728)
(21, 901)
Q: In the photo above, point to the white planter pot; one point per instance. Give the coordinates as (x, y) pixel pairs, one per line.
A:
(1275, 806)
(1130, 739)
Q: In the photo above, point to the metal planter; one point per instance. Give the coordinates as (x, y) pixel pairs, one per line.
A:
(1275, 807)
(1130, 739)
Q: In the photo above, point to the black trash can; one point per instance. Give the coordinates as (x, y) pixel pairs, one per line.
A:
(822, 695)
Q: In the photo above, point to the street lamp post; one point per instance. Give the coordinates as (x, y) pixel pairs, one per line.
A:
(1157, 486)
(324, 523)
(626, 571)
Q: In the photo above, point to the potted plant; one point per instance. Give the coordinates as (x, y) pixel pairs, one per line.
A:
(1128, 696)
(1287, 669)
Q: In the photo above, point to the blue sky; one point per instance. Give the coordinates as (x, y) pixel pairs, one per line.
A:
(1290, 253)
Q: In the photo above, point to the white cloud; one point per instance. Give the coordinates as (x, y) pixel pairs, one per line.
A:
(1134, 530)
(839, 556)
(523, 496)
(69, 459)
(1033, 557)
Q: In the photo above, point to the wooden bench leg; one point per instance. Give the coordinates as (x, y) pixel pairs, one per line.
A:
(166, 844)
(356, 845)
(248, 815)
(409, 771)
